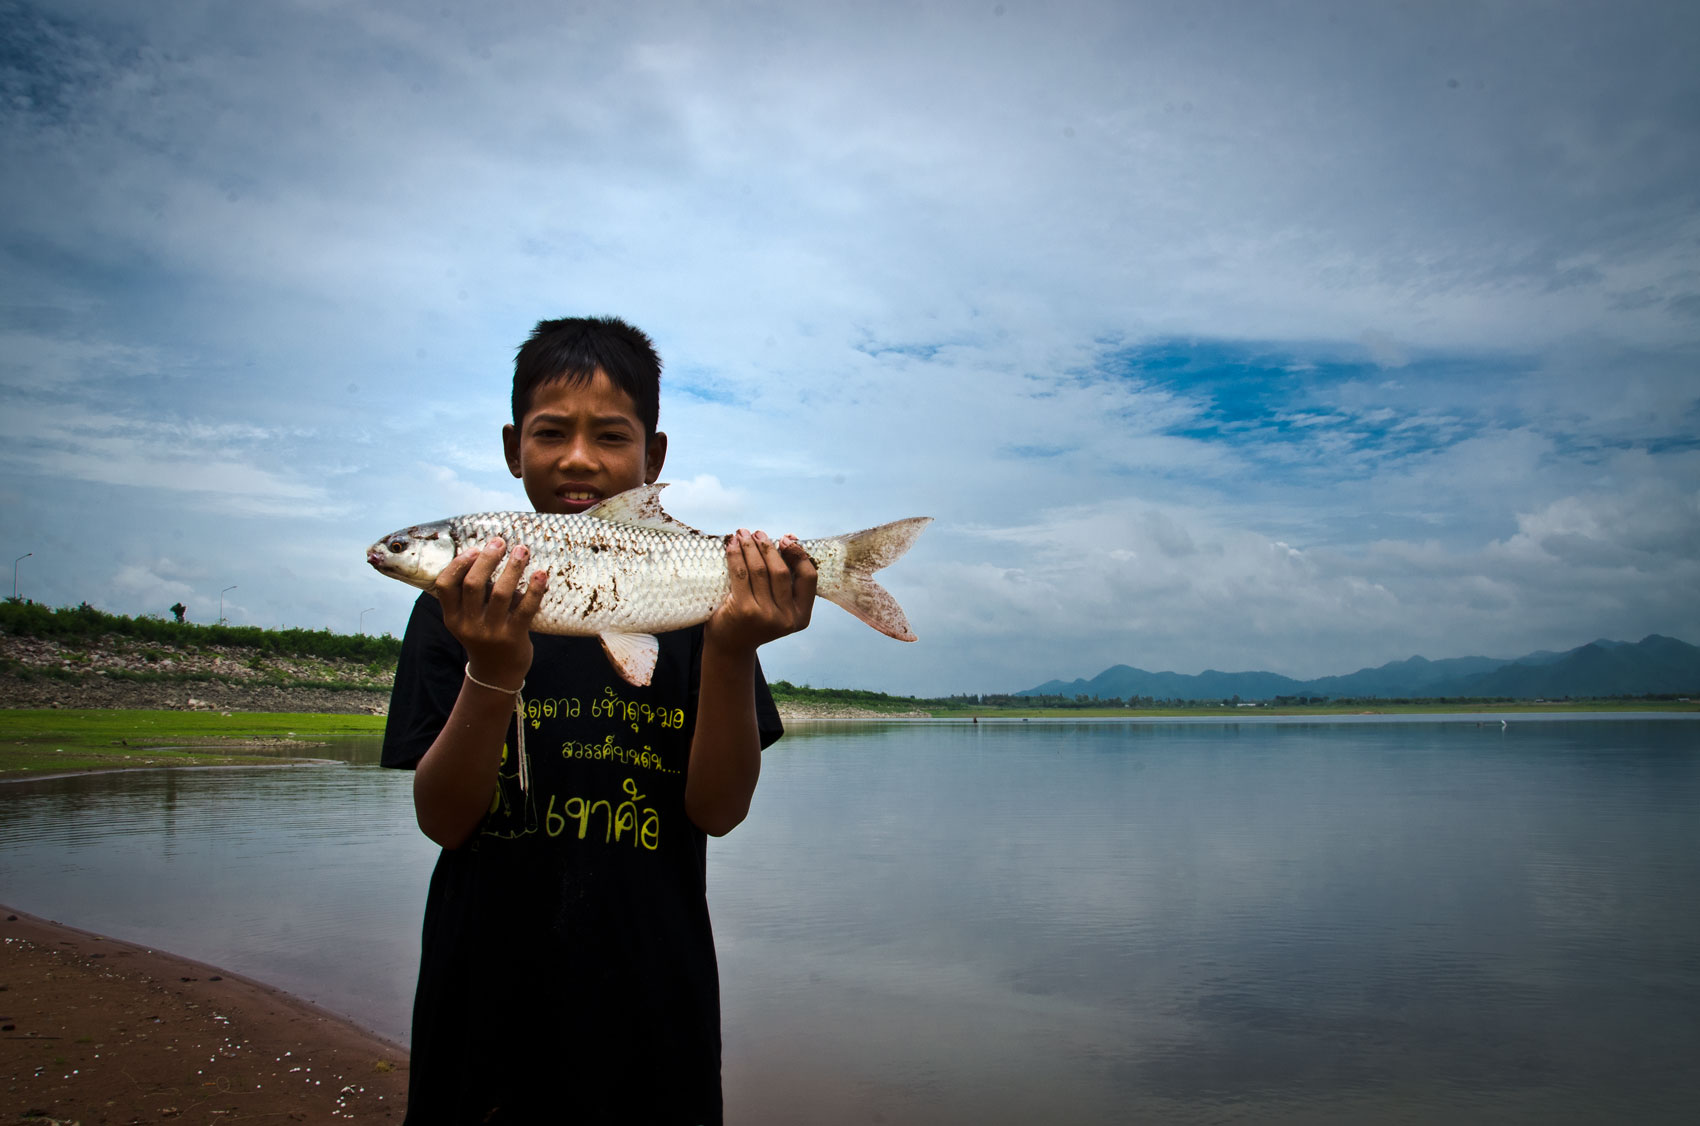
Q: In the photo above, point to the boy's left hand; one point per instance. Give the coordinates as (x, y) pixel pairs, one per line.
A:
(773, 591)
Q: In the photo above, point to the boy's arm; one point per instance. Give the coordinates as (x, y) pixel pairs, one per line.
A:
(773, 594)
(454, 780)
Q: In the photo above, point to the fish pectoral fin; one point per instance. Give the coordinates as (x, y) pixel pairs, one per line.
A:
(632, 654)
(639, 508)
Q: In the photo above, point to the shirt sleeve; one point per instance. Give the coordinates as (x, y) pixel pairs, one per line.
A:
(768, 725)
(767, 715)
(427, 683)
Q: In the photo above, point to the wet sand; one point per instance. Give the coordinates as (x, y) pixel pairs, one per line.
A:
(97, 1030)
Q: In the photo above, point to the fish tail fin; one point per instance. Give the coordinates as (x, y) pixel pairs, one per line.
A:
(847, 564)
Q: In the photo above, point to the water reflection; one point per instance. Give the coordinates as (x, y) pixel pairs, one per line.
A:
(1185, 922)
(1081, 922)
(309, 878)
(359, 750)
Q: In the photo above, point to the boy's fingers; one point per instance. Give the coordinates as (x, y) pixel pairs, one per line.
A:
(757, 586)
(502, 591)
(478, 575)
(803, 579)
(740, 562)
(772, 582)
(448, 583)
(532, 600)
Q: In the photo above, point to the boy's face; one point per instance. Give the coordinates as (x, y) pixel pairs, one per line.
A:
(580, 443)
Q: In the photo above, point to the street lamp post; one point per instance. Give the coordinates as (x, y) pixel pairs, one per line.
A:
(221, 594)
(363, 614)
(15, 563)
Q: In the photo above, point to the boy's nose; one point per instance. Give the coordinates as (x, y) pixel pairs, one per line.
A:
(579, 454)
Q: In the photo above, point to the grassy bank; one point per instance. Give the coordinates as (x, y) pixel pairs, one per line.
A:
(66, 740)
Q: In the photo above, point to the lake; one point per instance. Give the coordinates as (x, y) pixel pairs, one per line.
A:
(1404, 919)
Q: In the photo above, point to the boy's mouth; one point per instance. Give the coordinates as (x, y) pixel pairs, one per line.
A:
(577, 499)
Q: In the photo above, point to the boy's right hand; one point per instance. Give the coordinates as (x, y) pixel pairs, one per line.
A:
(490, 622)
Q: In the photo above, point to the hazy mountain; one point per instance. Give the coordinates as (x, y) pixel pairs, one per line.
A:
(1123, 681)
(1601, 668)
(1417, 676)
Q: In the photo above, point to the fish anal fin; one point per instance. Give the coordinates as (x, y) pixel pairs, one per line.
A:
(639, 508)
(632, 655)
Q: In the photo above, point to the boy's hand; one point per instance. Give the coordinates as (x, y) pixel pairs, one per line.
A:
(773, 591)
(486, 617)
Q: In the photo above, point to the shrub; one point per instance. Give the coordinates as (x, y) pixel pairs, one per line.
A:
(71, 623)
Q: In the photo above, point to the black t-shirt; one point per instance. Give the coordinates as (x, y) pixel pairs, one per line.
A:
(567, 969)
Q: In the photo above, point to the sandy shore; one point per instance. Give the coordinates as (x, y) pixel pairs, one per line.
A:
(97, 1030)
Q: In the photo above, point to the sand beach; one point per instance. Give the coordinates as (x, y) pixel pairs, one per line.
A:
(96, 1030)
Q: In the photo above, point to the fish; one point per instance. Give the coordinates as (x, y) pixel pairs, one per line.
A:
(624, 570)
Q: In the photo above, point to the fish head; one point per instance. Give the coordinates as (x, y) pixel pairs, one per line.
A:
(414, 555)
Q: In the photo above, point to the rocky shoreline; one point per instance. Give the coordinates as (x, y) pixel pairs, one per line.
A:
(117, 672)
(793, 711)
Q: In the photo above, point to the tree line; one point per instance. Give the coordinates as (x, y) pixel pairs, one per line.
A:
(23, 618)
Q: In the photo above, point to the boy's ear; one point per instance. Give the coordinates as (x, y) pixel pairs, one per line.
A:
(510, 448)
(655, 455)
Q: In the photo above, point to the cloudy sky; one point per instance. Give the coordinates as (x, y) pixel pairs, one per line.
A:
(1296, 336)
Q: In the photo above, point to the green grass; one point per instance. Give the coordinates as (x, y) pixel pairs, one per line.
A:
(51, 741)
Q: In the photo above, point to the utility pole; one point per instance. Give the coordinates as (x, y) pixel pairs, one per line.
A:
(15, 563)
(363, 614)
(221, 594)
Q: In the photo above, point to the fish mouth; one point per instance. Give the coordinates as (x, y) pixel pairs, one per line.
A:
(376, 556)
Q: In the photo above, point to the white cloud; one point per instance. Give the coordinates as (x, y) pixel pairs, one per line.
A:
(703, 502)
(269, 262)
(207, 466)
(145, 585)
(450, 495)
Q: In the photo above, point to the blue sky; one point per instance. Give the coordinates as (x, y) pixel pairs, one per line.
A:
(1295, 336)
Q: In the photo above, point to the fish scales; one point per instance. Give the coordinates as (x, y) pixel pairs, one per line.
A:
(625, 570)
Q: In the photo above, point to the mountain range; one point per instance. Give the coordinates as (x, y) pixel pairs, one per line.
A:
(1654, 665)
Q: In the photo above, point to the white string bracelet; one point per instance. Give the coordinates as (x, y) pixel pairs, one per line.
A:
(519, 723)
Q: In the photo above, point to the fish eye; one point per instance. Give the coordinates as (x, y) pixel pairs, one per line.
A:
(397, 546)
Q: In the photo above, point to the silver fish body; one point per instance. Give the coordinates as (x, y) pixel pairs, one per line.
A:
(625, 570)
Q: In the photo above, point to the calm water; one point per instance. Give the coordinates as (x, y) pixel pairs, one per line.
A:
(1016, 923)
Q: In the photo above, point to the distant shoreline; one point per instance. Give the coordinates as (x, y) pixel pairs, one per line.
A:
(43, 743)
(83, 658)
(108, 701)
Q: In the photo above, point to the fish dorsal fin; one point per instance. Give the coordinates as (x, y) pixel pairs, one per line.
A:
(633, 655)
(641, 508)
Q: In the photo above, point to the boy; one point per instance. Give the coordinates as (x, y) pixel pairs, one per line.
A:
(567, 969)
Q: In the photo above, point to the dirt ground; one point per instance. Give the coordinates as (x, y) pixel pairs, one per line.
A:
(98, 692)
(94, 1031)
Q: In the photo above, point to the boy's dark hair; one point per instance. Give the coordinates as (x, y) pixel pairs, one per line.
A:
(571, 349)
